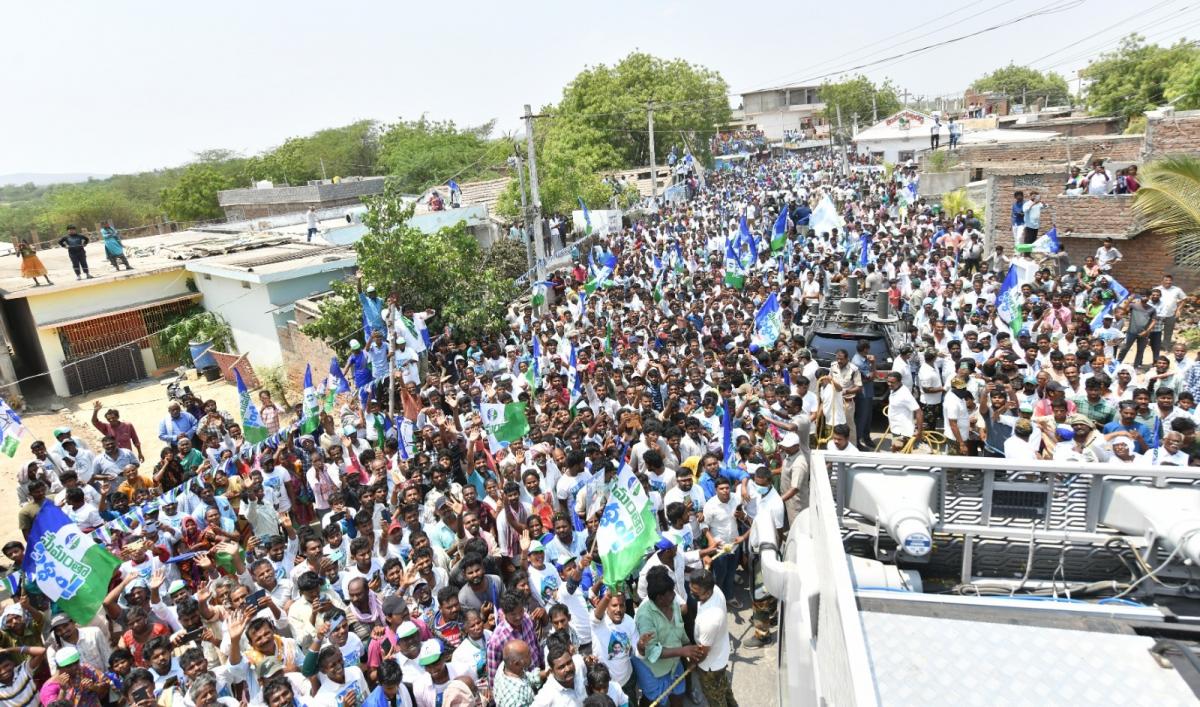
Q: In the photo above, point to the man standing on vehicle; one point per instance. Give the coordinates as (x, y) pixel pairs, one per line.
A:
(848, 382)
(864, 361)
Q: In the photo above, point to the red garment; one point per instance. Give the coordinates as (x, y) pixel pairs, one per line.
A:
(123, 432)
(135, 648)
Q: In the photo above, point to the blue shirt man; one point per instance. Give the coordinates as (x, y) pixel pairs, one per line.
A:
(176, 423)
(359, 366)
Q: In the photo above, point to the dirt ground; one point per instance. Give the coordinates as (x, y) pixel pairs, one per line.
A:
(143, 403)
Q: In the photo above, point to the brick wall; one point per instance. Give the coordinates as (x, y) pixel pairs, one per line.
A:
(1074, 127)
(1123, 148)
(1147, 255)
(299, 351)
(1092, 215)
(1178, 133)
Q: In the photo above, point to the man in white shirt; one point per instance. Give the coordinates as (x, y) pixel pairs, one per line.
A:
(957, 424)
(1019, 446)
(905, 418)
(1167, 454)
(712, 634)
(930, 381)
(1172, 295)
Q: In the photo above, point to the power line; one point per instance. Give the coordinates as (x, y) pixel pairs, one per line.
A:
(1075, 45)
(860, 55)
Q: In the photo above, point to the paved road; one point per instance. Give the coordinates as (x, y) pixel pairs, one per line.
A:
(755, 675)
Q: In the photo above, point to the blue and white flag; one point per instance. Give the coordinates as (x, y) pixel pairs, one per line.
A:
(768, 323)
(453, 186)
(864, 250)
(575, 383)
(1008, 303)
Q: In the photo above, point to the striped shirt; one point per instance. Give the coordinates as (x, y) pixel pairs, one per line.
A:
(21, 692)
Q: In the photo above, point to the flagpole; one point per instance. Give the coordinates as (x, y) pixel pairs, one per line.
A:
(391, 377)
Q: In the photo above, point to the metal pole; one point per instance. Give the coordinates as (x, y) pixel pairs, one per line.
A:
(322, 169)
(536, 221)
(524, 208)
(653, 168)
(874, 110)
(391, 344)
(842, 140)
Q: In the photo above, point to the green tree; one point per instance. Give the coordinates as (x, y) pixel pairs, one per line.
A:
(1133, 79)
(600, 125)
(87, 205)
(351, 149)
(1024, 83)
(690, 103)
(1183, 85)
(853, 95)
(446, 271)
(1168, 202)
(422, 153)
(194, 196)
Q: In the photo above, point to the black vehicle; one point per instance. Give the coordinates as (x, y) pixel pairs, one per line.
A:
(840, 324)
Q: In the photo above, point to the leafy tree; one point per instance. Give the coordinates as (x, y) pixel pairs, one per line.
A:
(194, 196)
(508, 257)
(446, 271)
(1049, 88)
(1183, 85)
(87, 205)
(351, 149)
(600, 125)
(1133, 79)
(690, 104)
(423, 153)
(853, 95)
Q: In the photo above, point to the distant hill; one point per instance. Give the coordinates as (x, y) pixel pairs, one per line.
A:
(43, 179)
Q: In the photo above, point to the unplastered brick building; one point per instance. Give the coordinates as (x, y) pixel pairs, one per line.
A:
(1044, 166)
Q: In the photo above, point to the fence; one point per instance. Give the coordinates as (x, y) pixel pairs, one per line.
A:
(87, 373)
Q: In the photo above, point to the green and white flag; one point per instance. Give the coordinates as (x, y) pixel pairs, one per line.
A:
(253, 429)
(627, 528)
(67, 565)
(312, 405)
(507, 423)
(11, 429)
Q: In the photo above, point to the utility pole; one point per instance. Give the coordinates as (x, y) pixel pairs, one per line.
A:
(524, 206)
(842, 140)
(874, 110)
(322, 169)
(906, 98)
(536, 220)
(653, 168)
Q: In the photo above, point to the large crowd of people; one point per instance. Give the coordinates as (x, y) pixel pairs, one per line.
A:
(363, 559)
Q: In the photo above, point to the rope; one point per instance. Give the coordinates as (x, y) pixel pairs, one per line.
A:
(667, 692)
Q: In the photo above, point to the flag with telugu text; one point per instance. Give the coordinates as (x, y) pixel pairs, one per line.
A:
(67, 565)
(253, 428)
(627, 528)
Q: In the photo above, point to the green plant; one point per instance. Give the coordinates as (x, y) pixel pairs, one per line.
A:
(195, 325)
(956, 202)
(274, 380)
(1169, 202)
(938, 161)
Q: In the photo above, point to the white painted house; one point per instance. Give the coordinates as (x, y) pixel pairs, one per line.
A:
(256, 290)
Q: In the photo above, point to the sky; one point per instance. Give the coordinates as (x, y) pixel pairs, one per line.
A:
(124, 85)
